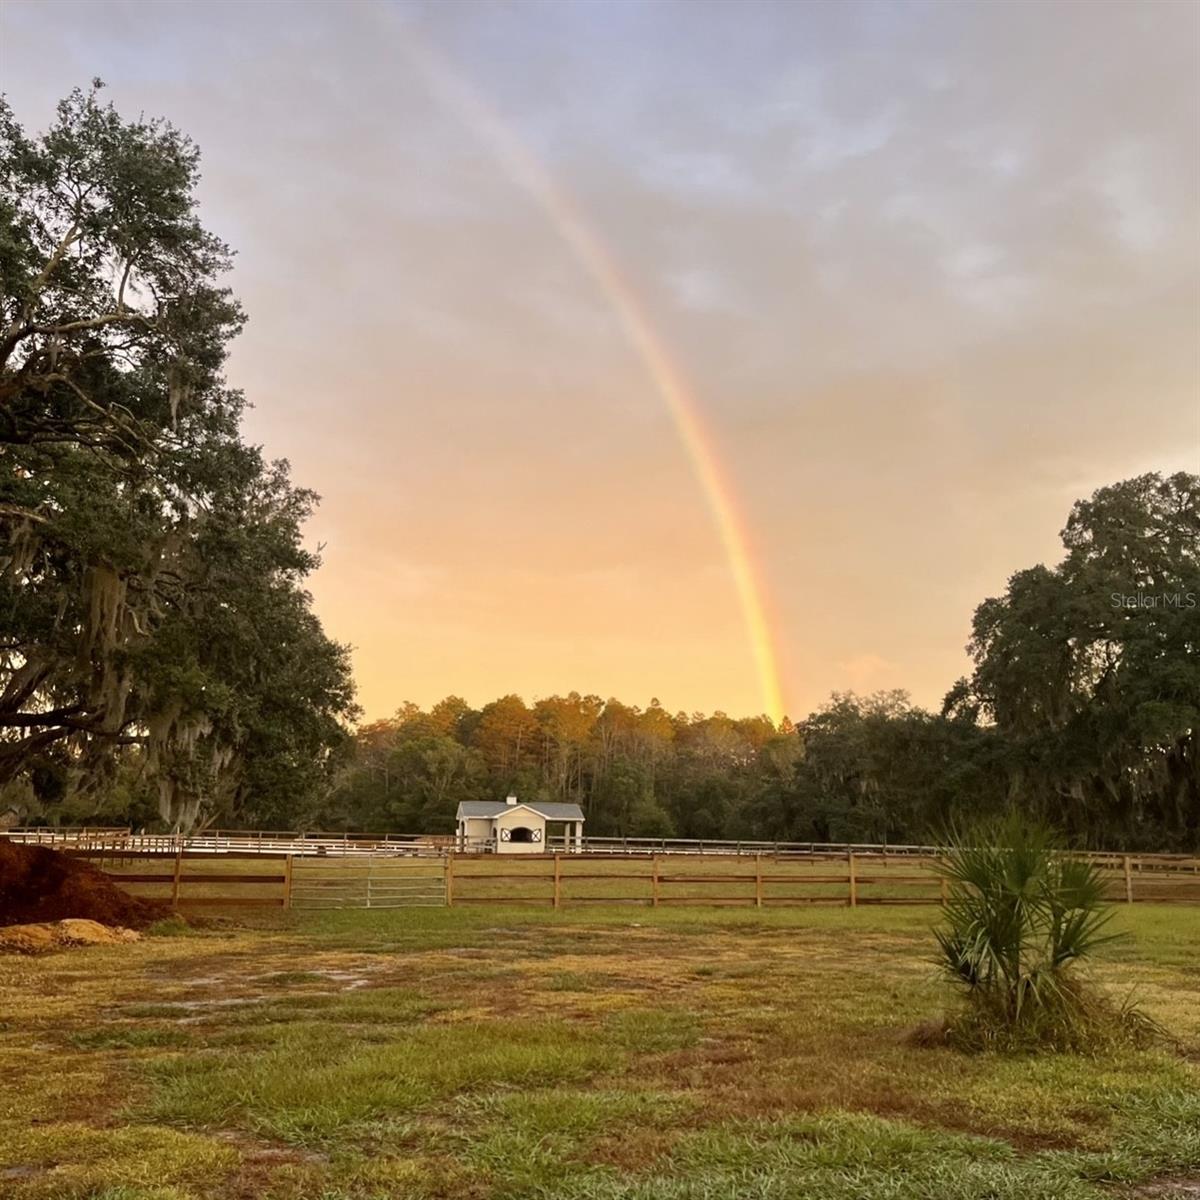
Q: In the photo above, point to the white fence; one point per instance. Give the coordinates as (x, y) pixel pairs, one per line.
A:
(222, 841)
(219, 841)
(306, 846)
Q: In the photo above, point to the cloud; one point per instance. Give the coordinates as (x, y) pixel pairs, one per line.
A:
(701, 290)
(927, 267)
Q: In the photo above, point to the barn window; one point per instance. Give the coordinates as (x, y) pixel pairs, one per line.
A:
(520, 834)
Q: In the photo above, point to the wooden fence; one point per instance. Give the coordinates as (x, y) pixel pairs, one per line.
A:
(194, 879)
(186, 880)
(197, 879)
(851, 878)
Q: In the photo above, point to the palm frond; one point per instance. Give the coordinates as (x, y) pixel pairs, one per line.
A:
(1019, 913)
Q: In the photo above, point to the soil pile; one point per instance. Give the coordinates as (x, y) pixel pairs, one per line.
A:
(39, 884)
(39, 939)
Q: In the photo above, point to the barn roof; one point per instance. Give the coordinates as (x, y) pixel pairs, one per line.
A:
(493, 808)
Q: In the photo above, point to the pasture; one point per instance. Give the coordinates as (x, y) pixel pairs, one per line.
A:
(609, 1053)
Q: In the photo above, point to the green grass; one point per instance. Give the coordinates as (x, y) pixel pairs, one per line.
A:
(128, 1037)
(311, 1089)
(586, 1054)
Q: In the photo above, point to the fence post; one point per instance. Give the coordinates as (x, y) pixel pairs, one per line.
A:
(1128, 866)
(287, 882)
(852, 879)
(758, 880)
(450, 879)
(654, 880)
(557, 881)
(175, 879)
(945, 889)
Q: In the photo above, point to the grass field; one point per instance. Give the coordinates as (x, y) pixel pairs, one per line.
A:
(589, 1054)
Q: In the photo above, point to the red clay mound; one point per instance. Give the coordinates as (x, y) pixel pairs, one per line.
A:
(40, 884)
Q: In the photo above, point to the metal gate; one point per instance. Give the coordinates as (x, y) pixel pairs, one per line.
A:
(367, 882)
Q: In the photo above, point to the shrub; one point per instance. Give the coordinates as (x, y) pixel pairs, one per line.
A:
(1020, 915)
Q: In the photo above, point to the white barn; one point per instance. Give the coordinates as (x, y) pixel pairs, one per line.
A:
(518, 827)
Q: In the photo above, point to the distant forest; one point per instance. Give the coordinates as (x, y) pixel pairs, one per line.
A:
(1083, 705)
(161, 665)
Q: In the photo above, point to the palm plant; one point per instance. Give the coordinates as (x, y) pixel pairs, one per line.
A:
(1019, 915)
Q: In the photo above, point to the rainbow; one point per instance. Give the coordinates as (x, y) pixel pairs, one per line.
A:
(521, 165)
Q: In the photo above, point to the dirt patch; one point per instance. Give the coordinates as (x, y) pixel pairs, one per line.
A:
(1169, 1189)
(634, 1150)
(59, 935)
(39, 884)
(933, 1033)
(253, 1151)
(256, 1172)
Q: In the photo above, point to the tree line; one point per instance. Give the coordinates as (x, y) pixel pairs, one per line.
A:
(1082, 708)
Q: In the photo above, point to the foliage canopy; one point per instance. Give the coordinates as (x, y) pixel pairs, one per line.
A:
(152, 613)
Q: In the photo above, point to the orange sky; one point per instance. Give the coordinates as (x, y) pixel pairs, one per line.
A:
(931, 273)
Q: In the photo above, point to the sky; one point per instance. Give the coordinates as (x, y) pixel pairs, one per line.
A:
(922, 275)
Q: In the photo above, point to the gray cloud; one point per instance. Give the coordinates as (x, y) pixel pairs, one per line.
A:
(933, 269)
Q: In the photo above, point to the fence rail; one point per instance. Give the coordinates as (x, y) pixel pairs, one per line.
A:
(194, 878)
(218, 841)
(185, 881)
(849, 878)
(425, 845)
